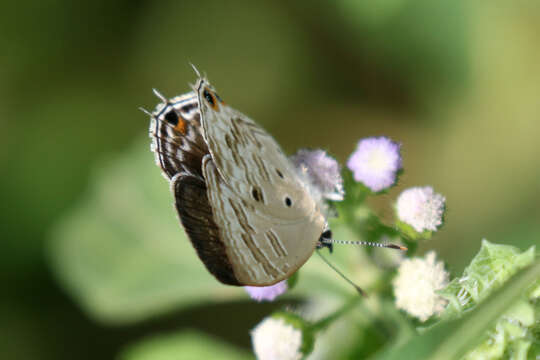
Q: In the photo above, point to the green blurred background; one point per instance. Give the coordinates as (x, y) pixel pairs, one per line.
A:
(457, 83)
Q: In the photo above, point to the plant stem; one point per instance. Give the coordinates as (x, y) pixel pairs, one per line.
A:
(324, 322)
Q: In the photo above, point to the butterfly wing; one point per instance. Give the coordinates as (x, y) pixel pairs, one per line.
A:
(248, 215)
(261, 250)
(266, 214)
(251, 162)
(177, 141)
(195, 212)
(179, 148)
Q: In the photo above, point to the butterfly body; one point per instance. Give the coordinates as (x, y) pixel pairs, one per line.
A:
(248, 214)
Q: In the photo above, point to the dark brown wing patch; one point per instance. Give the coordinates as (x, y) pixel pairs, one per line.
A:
(196, 216)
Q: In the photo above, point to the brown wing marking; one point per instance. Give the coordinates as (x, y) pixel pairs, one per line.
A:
(253, 253)
(196, 216)
(275, 244)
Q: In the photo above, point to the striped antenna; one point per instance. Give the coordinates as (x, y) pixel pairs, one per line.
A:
(364, 243)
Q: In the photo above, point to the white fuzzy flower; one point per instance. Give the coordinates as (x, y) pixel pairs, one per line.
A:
(415, 285)
(421, 207)
(275, 339)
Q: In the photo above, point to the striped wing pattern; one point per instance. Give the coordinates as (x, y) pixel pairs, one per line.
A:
(253, 164)
(178, 149)
(259, 249)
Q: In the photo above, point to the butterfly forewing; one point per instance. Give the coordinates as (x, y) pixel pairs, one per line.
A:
(259, 203)
(253, 164)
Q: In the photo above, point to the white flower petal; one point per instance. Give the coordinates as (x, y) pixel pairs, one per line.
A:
(421, 207)
(415, 285)
(274, 339)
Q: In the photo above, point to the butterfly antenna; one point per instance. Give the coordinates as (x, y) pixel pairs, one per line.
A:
(160, 96)
(364, 243)
(358, 288)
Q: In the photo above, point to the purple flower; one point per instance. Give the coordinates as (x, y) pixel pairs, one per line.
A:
(267, 293)
(321, 170)
(421, 207)
(375, 162)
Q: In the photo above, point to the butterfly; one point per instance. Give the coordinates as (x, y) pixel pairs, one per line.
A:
(248, 213)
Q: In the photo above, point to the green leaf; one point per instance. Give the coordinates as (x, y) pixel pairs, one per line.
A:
(191, 345)
(409, 233)
(122, 253)
(490, 268)
(452, 339)
(510, 335)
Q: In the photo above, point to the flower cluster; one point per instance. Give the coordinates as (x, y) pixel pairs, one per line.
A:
(376, 162)
(416, 284)
(283, 335)
(321, 171)
(276, 338)
(421, 207)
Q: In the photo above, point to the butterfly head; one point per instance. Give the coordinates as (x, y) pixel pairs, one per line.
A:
(325, 241)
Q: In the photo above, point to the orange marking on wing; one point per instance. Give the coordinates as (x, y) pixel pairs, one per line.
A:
(181, 126)
(214, 104)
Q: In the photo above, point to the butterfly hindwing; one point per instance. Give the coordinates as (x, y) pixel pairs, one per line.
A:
(177, 139)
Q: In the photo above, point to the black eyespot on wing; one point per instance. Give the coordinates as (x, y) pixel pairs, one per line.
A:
(255, 194)
(288, 201)
(279, 173)
(209, 97)
(218, 97)
(172, 117)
